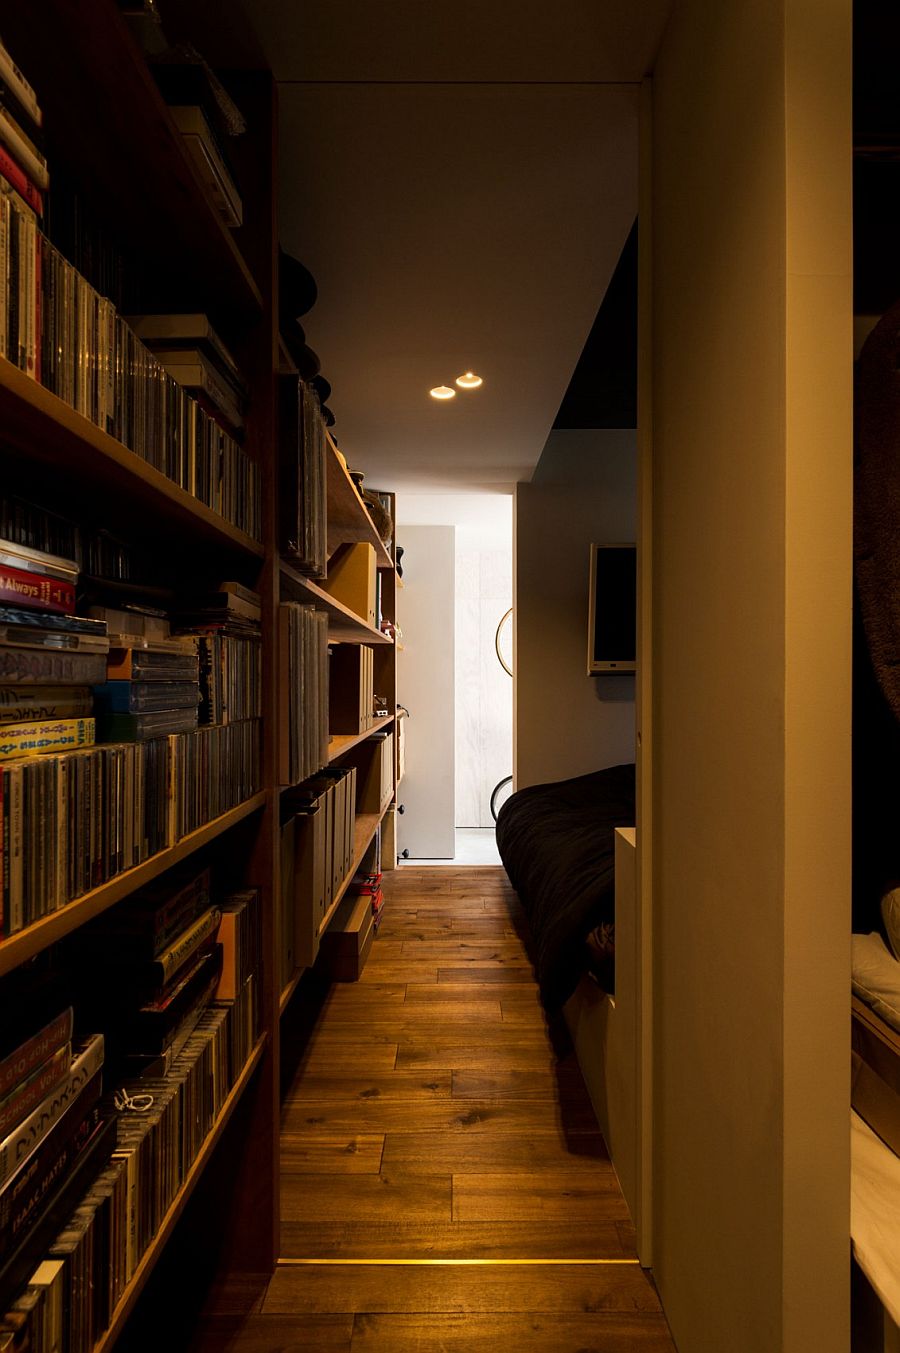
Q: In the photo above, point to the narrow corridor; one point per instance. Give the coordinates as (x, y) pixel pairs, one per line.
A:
(444, 1183)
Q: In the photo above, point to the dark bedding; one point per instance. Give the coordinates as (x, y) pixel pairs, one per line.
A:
(557, 844)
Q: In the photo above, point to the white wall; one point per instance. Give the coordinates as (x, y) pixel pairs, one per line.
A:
(749, 471)
(582, 492)
(425, 680)
(483, 691)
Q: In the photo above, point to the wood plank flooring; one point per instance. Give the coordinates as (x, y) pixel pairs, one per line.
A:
(445, 1185)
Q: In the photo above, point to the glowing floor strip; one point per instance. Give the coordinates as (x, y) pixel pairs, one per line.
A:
(450, 1263)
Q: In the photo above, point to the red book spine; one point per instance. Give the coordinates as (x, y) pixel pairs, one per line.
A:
(18, 179)
(34, 1050)
(35, 592)
(28, 1094)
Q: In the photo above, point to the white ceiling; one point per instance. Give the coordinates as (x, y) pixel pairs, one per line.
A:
(460, 181)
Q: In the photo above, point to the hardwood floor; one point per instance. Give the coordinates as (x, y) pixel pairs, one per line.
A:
(445, 1186)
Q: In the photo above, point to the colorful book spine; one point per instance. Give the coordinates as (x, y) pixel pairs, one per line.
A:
(60, 735)
(32, 1091)
(27, 1135)
(41, 704)
(164, 968)
(35, 591)
(22, 1195)
(20, 182)
(35, 1050)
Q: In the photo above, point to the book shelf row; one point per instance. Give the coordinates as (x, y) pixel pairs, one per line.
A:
(89, 1172)
(115, 440)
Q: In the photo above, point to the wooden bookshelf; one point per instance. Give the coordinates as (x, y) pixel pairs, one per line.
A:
(111, 123)
(289, 990)
(362, 837)
(107, 1341)
(339, 743)
(344, 625)
(34, 938)
(49, 432)
(348, 517)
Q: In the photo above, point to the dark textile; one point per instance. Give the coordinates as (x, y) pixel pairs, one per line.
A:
(876, 676)
(557, 845)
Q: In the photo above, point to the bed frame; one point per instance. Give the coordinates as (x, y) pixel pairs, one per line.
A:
(611, 1038)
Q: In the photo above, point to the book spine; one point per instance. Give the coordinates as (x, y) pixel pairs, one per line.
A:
(22, 1197)
(178, 954)
(19, 1103)
(19, 181)
(21, 665)
(20, 1063)
(161, 924)
(23, 1139)
(20, 87)
(36, 591)
(27, 155)
(61, 735)
(18, 706)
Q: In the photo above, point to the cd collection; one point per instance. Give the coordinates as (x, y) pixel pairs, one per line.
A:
(303, 687)
(303, 496)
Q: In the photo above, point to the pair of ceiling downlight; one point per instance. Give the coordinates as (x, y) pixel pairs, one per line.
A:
(469, 381)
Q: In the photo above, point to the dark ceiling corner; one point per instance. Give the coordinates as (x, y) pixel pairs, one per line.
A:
(603, 390)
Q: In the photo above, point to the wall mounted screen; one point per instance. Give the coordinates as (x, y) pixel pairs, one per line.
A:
(612, 614)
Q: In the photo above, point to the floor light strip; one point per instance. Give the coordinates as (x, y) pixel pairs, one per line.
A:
(450, 1263)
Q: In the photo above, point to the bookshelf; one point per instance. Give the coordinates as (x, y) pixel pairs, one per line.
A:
(136, 175)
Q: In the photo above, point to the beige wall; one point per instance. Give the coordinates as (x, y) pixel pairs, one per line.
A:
(749, 852)
(566, 723)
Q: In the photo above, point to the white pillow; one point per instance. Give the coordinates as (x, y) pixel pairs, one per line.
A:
(876, 977)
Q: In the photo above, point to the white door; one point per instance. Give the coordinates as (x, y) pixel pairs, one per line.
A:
(425, 685)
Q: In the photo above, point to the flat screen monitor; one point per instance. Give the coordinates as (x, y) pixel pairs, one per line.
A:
(612, 614)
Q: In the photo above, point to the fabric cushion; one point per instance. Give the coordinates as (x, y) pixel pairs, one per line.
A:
(876, 977)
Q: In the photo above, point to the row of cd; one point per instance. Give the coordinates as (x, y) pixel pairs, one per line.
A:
(73, 820)
(152, 1133)
(55, 326)
(303, 684)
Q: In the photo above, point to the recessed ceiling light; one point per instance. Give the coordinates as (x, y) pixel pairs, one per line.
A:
(442, 392)
(469, 381)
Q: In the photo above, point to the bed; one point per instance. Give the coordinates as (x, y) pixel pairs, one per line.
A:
(875, 1118)
(569, 849)
(557, 844)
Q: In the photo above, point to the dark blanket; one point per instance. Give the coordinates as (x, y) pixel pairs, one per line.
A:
(557, 844)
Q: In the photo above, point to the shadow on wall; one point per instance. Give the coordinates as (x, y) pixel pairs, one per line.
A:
(614, 688)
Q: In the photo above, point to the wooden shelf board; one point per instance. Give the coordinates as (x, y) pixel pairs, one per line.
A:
(348, 517)
(286, 364)
(152, 1253)
(136, 160)
(364, 831)
(34, 938)
(339, 743)
(46, 429)
(289, 990)
(344, 625)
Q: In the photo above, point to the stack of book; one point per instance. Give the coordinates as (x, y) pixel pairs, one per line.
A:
(303, 690)
(54, 1137)
(230, 607)
(59, 329)
(48, 656)
(23, 180)
(151, 966)
(206, 117)
(152, 690)
(369, 885)
(193, 354)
